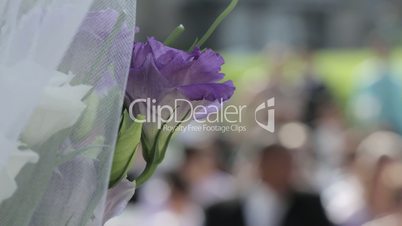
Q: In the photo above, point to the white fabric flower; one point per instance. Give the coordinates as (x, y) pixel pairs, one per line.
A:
(12, 167)
(21, 86)
(59, 108)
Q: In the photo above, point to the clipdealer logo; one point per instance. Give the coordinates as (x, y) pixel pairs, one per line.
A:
(267, 106)
(206, 118)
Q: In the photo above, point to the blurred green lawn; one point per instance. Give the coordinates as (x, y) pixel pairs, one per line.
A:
(339, 68)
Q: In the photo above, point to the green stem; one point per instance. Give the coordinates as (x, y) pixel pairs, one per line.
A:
(146, 174)
(217, 22)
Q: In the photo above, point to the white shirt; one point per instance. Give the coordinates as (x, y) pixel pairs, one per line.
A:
(263, 207)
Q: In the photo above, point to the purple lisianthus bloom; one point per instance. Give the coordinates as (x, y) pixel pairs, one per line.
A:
(160, 72)
(165, 75)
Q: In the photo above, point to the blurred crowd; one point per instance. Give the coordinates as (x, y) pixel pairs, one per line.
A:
(327, 163)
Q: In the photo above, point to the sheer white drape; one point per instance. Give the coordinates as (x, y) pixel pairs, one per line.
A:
(63, 69)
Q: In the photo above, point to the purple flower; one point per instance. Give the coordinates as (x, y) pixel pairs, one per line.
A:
(165, 75)
(158, 71)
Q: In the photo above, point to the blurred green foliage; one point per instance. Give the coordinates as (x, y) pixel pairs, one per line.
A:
(338, 68)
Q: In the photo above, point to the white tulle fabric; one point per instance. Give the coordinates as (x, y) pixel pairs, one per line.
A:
(63, 69)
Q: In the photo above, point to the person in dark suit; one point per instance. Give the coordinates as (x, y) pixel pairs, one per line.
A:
(273, 202)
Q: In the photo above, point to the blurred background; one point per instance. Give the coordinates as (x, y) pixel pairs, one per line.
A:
(334, 68)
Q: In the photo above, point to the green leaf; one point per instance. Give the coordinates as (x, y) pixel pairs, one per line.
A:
(127, 141)
(156, 154)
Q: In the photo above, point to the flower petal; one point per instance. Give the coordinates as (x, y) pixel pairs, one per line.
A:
(146, 82)
(117, 199)
(209, 91)
(181, 68)
(59, 108)
(13, 166)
